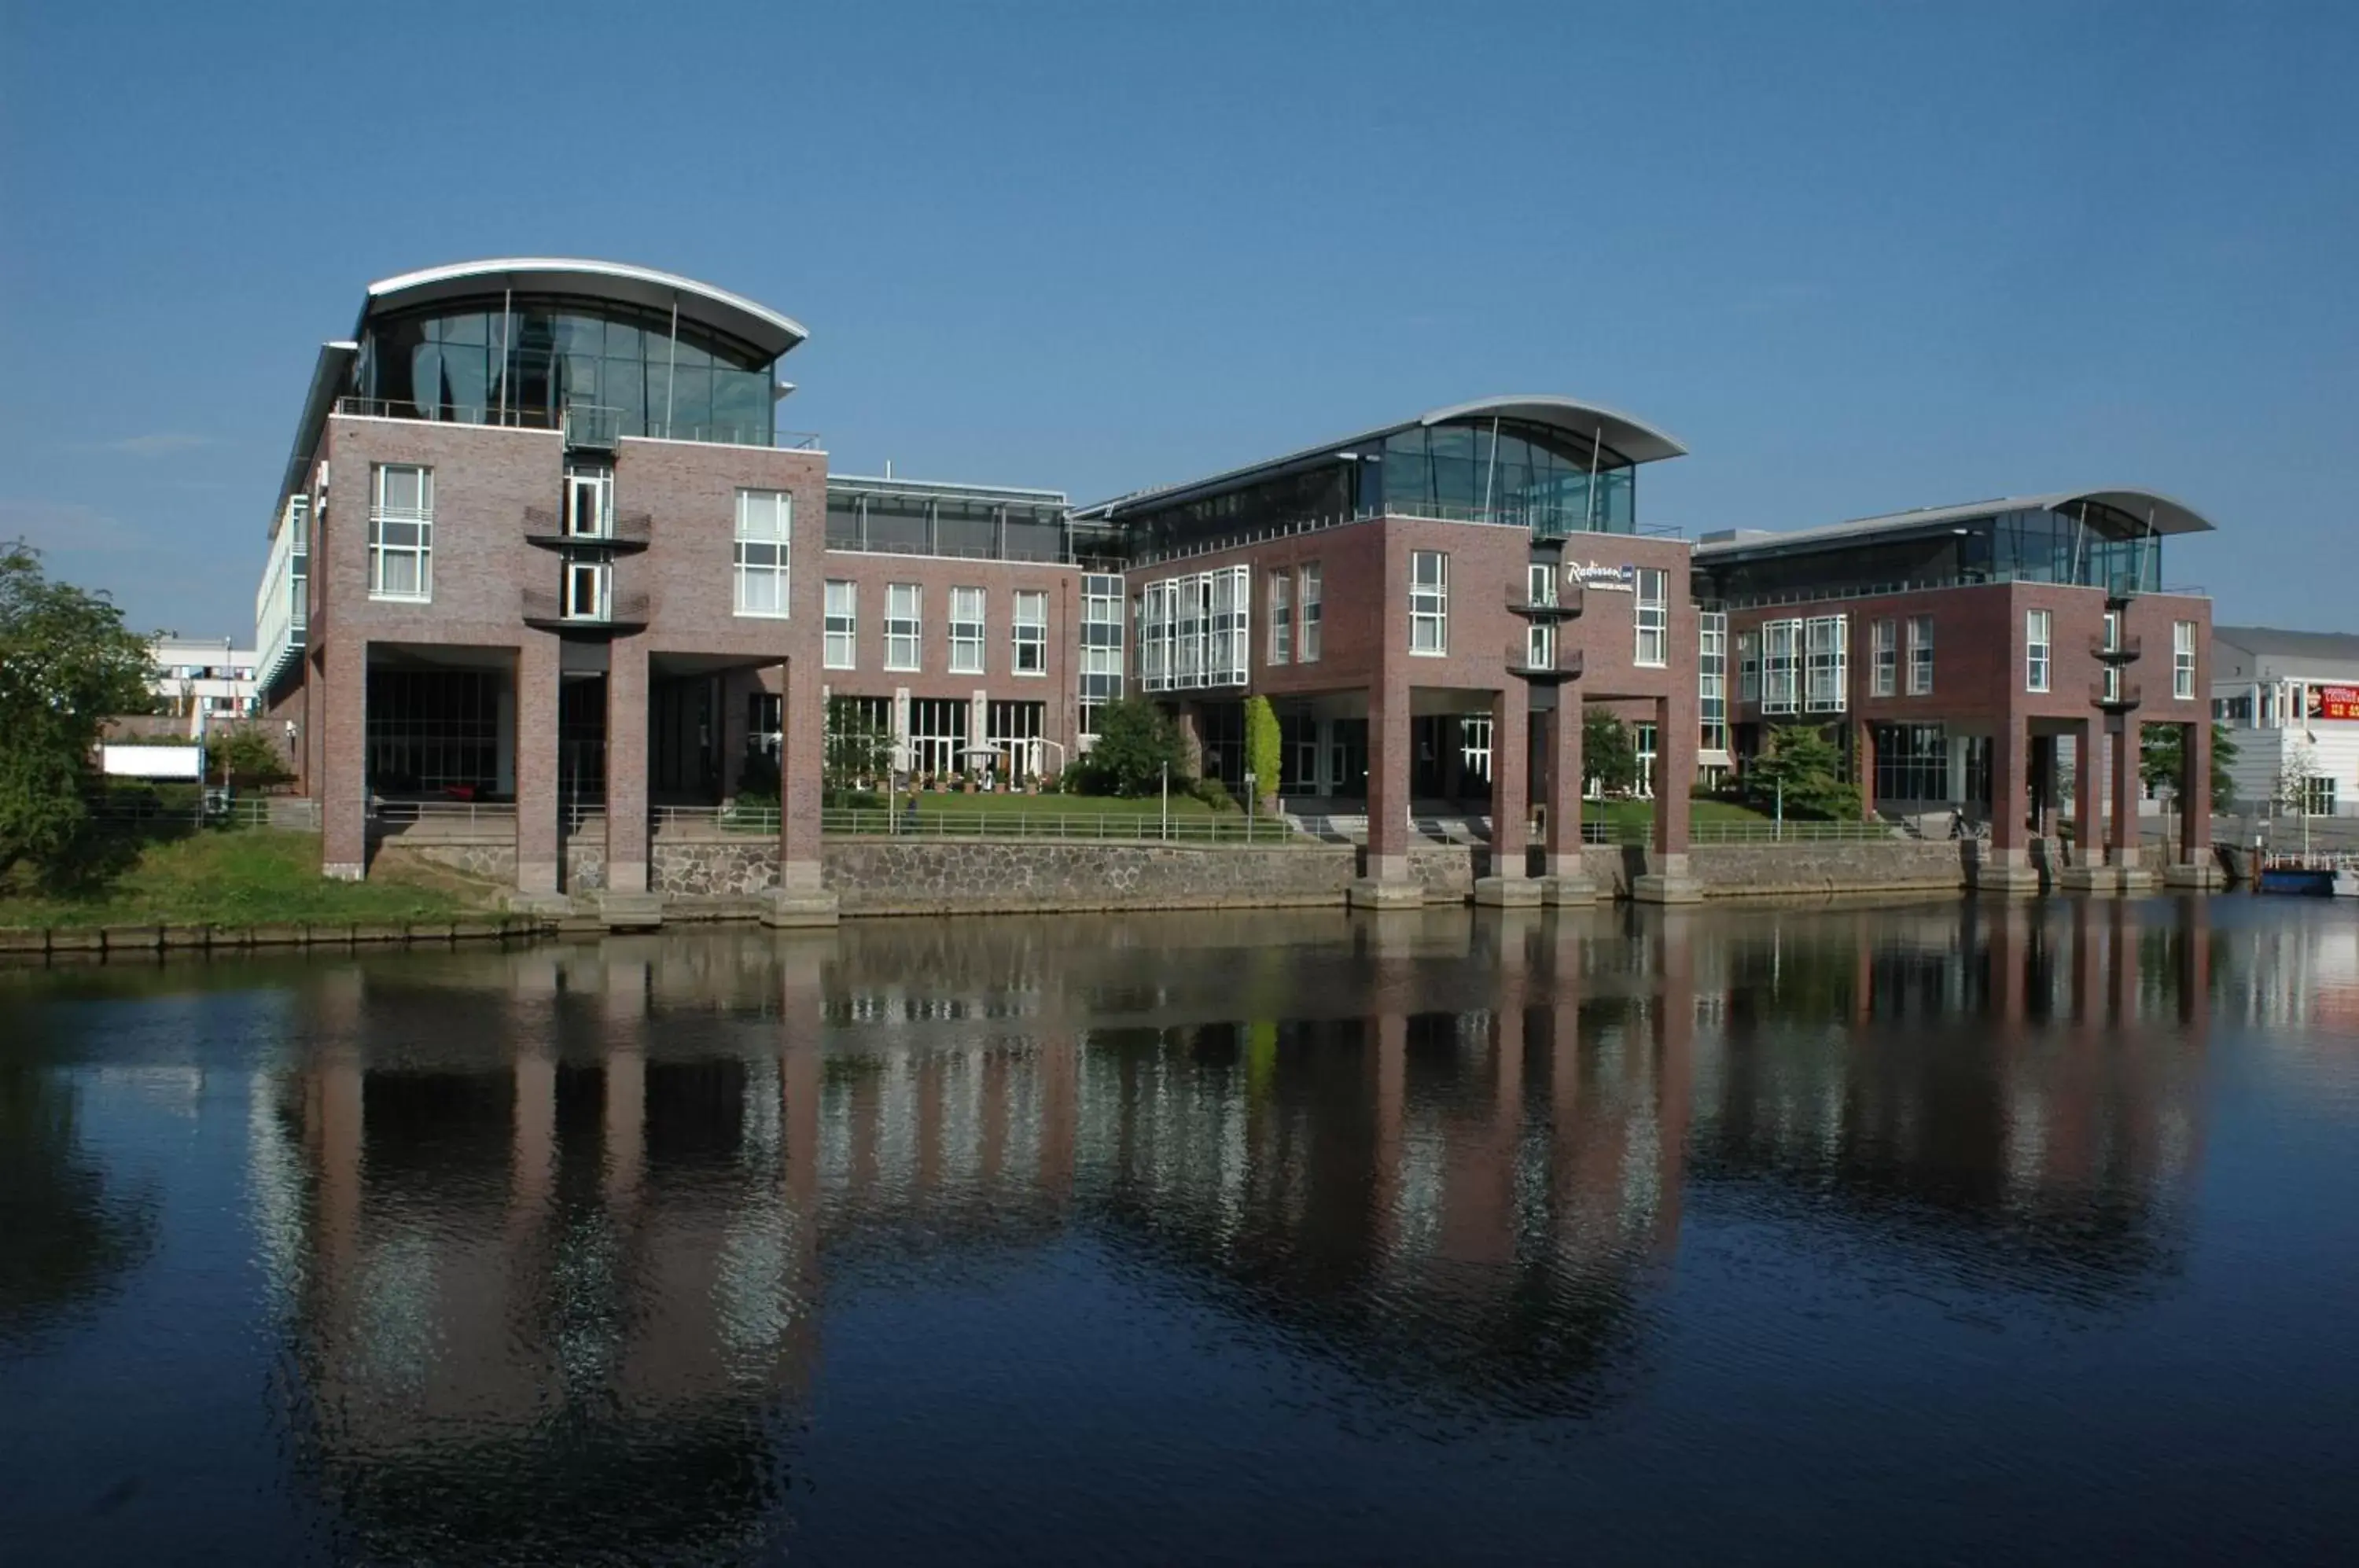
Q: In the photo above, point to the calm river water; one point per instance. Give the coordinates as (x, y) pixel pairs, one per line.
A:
(2016, 1234)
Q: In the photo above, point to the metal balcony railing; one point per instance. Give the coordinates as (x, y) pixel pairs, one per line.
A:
(546, 608)
(2116, 651)
(2126, 695)
(1566, 606)
(586, 425)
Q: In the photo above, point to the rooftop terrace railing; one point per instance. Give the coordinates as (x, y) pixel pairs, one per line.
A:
(584, 424)
(1813, 595)
(954, 553)
(1421, 512)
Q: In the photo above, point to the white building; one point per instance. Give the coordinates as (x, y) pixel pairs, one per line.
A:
(203, 681)
(2290, 700)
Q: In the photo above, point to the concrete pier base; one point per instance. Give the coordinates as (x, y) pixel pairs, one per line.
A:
(1560, 892)
(1666, 880)
(2195, 876)
(789, 908)
(1369, 893)
(2007, 872)
(1508, 892)
(626, 911)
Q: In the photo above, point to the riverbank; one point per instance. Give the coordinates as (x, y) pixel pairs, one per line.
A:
(259, 877)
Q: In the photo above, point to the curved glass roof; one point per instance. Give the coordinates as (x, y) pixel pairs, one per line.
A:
(715, 309)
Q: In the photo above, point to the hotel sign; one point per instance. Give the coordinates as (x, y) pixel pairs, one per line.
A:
(2332, 702)
(1597, 574)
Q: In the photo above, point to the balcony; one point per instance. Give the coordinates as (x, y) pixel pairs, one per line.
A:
(2115, 650)
(1567, 606)
(2125, 696)
(1566, 666)
(627, 534)
(545, 610)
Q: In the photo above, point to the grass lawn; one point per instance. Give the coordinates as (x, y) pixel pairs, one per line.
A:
(1005, 804)
(1641, 813)
(258, 876)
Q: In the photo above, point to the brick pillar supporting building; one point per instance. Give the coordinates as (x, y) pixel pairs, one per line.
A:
(1511, 754)
(801, 898)
(626, 767)
(343, 783)
(2122, 844)
(1386, 883)
(2089, 794)
(1567, 882)
(538, 840)
(1667, 879)
(2004, 866)
(2195, 867)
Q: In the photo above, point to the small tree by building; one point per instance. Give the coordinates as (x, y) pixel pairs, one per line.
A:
(2297, 766)
(1136, 742)
(2162, 763)
(859, 755)
(1609, 757)
(244, 759)
(1265, 747)
(1803, 769)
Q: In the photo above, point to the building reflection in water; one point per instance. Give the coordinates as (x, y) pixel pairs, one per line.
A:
(561, 1224)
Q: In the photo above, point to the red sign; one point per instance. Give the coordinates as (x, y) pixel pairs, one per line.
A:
(2334, 703)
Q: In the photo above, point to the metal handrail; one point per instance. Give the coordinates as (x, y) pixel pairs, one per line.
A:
(1091, 827)
(1916, 585)
(415, 812)
(541, 604)
(2125, 648)
(1062, 557)
(584, 424)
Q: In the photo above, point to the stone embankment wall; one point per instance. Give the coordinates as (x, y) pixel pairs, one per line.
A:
(910, 877)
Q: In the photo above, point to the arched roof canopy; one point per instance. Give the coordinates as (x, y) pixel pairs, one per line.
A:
(1636, 441)
(765, 334)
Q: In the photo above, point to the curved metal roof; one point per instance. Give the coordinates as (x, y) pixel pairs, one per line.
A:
(733, 314)
(2164, 515)
(1634, 439)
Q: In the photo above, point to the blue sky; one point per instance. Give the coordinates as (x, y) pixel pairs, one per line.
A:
(1858, 257)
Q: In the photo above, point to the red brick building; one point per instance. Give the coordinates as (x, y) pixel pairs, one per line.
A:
(1974, 659)
(1420, 603)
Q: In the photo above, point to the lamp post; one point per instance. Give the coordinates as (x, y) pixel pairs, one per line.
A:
(1166, 800)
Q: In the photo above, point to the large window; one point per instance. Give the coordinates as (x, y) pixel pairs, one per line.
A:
(765, 529)
(589, 501)
(1912, 762)
(1711, 681)
(1307, 580)
(1101, 615)
(401, 532)
(903, 630)
(1282, 617)
(427, 730)
(1012, 730)
(1826, 676)
(1429, 601)
(1748, 666)
(936, 736)
(1031, 633)
(1883, 640)
(1653, 617)
(2039, 647)
(2182, 660)
(966, 631)
(1193, 631)
(843, 624)
(2318, 797)
(1534, 477)
(1781, 667)
(1920, 654)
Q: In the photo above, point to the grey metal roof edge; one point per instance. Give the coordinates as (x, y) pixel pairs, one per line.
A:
(945, 488)
(2171, 516)
(622, 282)
(326, 376)
(2287, 642)
(1181, 489)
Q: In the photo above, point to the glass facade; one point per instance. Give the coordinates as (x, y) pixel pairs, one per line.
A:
(1711, 681)
(1912, 762)
(1195, 631)
(600, 371)
(2084, 544)
(1102, 617)
(1506, 471)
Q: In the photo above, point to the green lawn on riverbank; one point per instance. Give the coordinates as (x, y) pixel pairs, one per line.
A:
(1004, 803)
(256, 876)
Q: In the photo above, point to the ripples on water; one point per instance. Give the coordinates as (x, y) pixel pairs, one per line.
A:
(1919, 1234)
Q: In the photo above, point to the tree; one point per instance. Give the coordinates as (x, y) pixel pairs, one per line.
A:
(2296, 767)
(859, 750)
(2161, 762)
(1803, 768)
(1265, 747)
(66, 662)
(1135, 743)
(245, 760)
(1609, 758)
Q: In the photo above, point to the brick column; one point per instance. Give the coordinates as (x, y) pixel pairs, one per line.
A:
(2123, 845)
(2088, 795)
(2195, 795)
(343, 711)
(626, 766)
(1387, 883)
(2007, 805)
(1510, 779)
(538, 853)
(800, 771)
(1567, 881)
(1668, 880)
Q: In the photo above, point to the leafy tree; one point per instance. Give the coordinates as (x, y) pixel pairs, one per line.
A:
(1609, 756)
(245, 760)
(859, 750)
(1805, 765)
(1264, 745)
(2160, 762)
(1135, 743)
(66, 662)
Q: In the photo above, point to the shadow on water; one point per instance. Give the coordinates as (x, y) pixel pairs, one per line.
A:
(553, 1238)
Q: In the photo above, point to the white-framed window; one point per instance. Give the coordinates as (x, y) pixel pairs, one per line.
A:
(1712, 680)
(2038, 648)
(401, 532)
(1282, 617)
(843, 651)
(1031, 632)
(2318, 797)
(1102, 617)
(1884, 658)
(764, 534)
(1826, 664)
(2182, 660)
(588, 502)
(1781, 667)
(1539, 583)
(1539, 646)
(1428, 603)
(2112, 678)
(1920, 654)
(966, 631)
(1653, 617)
(938, 736)
(904, 632)
(1748, 666)
(1196, 630)
(1307, 580)
(588, 588)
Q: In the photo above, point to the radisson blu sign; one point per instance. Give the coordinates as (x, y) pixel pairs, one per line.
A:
(1598, 574)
